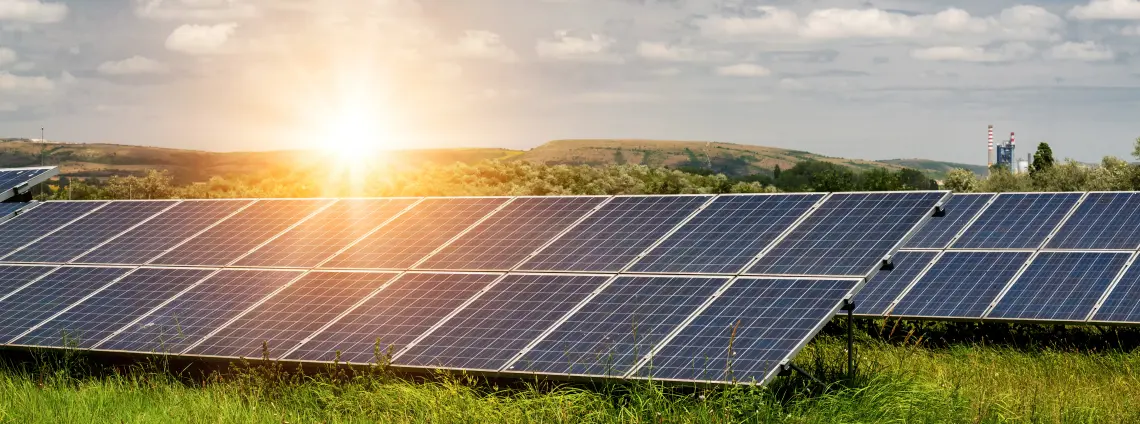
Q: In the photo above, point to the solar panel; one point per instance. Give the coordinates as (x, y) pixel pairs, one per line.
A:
(512, 234)
(727, 234)
(617, 328)
(182, 322)
(749, 330)
(92, 320)
(886, 286)
(7, 209)
(501, 322)
(939, 231)
(326, 233)
(415, 234)
(848, 234)
(13, 277)
(239, 234)
(50, 295)
(615, 235)
(41, 220)
(164, 231)
(1062, 286)
(88, 232)
(393, 318)
(14, 181)
(961, 285)
(1122, 305)
(1102, 221)
(286, 318)
(1017, 221)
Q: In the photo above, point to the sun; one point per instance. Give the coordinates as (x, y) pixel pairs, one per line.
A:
(354, 135)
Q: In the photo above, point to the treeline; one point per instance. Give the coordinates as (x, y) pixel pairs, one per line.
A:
(1046, 174)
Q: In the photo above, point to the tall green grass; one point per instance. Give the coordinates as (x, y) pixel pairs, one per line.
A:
(900, 378)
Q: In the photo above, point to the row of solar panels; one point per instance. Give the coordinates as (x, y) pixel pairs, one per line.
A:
(682, 328)
(17, 181)
(1042, 257)
(789, 234)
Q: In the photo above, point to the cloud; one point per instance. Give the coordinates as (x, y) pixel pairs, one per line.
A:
(1021, 22)
(195, 10)
(21, 85)
(7, 56)
(1004, 53)
(675, 53)
(1106, 10)
(200, 39)
(591, 48)
(666, 72)
(743, 70)
(448, 70)
(136, 65)
(1131, 31)
(792, 84)
(1087, 51)
(613, 97)
(484, 45)
(32, 11)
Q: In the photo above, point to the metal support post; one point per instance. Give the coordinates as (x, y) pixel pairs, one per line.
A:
(849, 306)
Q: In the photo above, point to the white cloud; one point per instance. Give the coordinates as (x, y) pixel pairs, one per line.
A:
(613, 97)
(1130, 31)
(1087, 51)
(1016, 23)
(1107, 9)
(7, 56)
(448, 70)
(135, 65)
(484, 45)
(676, 53)
(200, 39)
(16, 84)
(592, 48)
(195, 10)
(666, 72)
(32, 11)
(1004, 53)
(66, 78)
(792, 84)
(743, 70)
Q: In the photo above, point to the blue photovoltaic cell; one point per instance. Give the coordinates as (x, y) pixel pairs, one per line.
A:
(164, 231)
(512, 234)
(393, 318)
(500, 323)
(12, 277)
(749, 330)
(848, 234)
(326, 233)
(13, 177)
(179, 324)
(42, 219)
(727, 234)
(620, 326)
(101, 315)
(940, 230)
(614, 235)
(1060, 286)
(1017, 221)
(961, 284)
(239, 234)
(284, 320)
(88, 232)
(1102, 221)
(416, 233)
(1123, 303)
(50, 295)
(8, 208)
(886, 286)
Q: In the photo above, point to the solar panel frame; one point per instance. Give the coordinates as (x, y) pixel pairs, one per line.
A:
(929, 256)
(642, 262)
(963, 242)
(748, 270)
(1021, 266)
(1116, 275)
(857, 284)
(965, 224)
(9, 210)
(18, 188)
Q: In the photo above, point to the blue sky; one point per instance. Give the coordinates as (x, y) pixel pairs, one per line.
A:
(856, 78)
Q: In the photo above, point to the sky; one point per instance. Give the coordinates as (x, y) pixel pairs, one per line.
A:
(872, 79)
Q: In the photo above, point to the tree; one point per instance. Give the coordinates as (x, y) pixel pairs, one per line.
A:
(962, 181)
(1003, 180)
(1042, 159)
(879, 179)
(776, 171)
(619, 157)
(1136, 148)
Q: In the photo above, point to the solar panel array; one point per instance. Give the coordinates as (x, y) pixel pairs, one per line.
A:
(1039, 257)
(16, 181)
(585, 286)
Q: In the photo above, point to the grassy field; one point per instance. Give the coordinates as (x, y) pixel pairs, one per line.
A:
(1079, 376)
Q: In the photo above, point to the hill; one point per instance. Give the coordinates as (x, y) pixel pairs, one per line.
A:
(99, 160)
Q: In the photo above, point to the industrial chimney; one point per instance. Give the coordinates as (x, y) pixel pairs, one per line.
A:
(990, 152)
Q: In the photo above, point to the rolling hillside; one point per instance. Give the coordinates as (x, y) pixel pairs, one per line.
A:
(102, 160)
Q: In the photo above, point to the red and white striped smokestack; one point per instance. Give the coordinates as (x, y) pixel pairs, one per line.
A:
(1012, 142)
(990, 145)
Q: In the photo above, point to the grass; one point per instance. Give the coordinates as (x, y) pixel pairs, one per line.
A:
(944, 373)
